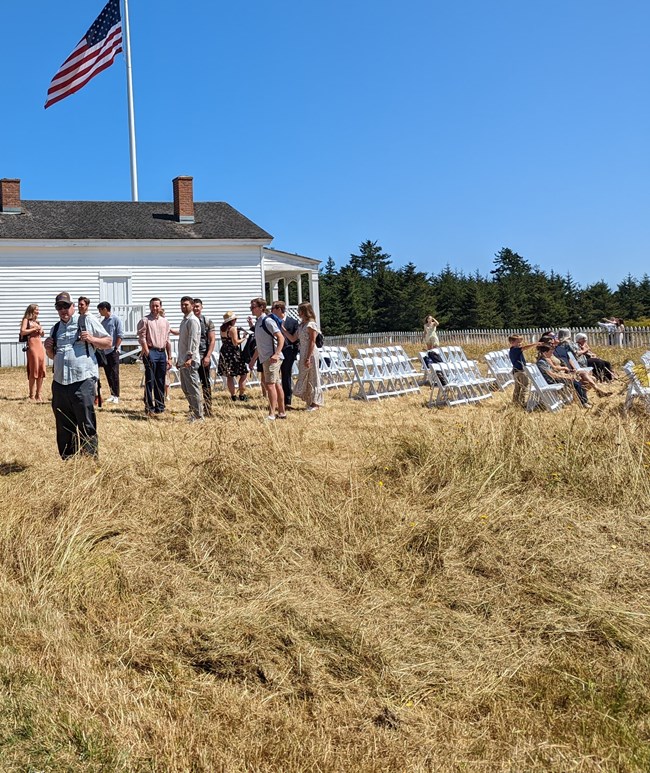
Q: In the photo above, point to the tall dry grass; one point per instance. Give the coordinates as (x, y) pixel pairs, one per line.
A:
(375, 587)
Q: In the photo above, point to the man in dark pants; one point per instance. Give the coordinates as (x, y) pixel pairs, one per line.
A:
(71, 345)
(113, 327)
(153, 337)
(289, 351)
(206, 347)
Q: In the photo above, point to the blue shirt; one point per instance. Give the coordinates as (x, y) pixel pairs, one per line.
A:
(517, 358)
(71, 362)
(113, 326)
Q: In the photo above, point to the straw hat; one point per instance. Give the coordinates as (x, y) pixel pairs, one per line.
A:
(229, 316)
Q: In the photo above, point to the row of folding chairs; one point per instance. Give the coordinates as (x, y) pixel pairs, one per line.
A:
(383, 372)
(335, 368)
(500, 366)
(456, 379)
(456, 357)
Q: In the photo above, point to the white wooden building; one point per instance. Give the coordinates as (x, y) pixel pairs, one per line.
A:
(126, 253)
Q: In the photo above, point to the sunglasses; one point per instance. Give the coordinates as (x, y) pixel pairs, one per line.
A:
(62, 305)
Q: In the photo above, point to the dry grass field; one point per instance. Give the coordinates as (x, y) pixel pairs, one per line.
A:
(373, 587)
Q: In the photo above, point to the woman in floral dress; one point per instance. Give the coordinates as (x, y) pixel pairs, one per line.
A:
(231, 363)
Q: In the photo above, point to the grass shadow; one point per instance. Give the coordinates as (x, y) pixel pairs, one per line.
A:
(12, 468)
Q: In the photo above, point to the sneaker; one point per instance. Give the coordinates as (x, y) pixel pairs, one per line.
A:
(242, 398)
(281, 416)
(233, 398)
(270, 418)
(192, 418)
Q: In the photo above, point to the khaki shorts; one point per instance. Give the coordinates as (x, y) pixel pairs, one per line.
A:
(271, 372)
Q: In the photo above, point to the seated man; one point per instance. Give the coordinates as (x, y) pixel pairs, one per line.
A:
(558, 374)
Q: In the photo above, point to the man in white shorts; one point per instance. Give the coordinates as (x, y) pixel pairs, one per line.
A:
(268, 349)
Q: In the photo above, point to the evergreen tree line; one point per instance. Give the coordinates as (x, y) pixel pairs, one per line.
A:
(367, 295)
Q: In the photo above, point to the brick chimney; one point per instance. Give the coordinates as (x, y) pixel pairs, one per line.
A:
(10, 197)
(183, 199)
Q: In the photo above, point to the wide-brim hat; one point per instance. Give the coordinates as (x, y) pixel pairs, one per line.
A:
(229, 316)
(63, 298)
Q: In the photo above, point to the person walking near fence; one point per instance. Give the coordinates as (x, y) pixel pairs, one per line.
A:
(113, 326)
(153, 337)
(189, 359)
(71, 345)
(430, 334)
(31, 333)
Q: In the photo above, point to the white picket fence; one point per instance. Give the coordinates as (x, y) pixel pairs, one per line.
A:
(11, 354)
(633, 336)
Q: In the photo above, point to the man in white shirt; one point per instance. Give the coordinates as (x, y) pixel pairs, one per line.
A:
(189, 359)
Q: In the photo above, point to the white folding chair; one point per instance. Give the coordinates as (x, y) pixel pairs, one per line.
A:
(635, 389)
(542, 394)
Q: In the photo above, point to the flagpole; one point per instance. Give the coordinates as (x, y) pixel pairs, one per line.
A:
(129, 91)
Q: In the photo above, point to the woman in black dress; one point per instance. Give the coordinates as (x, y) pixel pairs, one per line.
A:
(231, 362)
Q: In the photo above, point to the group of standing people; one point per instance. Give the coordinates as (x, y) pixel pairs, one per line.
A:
(78, 343)
(615, 327)
(272, 340)
(277, 341)
(31, 336)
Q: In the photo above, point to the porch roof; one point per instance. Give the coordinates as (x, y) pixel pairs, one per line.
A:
(279, 262)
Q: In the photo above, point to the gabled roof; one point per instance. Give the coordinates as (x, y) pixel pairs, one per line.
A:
(126, 220)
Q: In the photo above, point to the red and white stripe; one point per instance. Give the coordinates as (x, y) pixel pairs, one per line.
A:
(83, 64)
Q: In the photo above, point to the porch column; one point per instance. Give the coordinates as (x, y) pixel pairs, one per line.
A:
(299, 289)
(274, 290)
(314, 296)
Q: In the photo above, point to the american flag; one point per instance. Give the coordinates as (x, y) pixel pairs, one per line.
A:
(95, 52)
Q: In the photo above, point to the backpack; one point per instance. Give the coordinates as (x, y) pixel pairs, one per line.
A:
(248, 348)
(432, 357)
(100, 355)
(269, 333)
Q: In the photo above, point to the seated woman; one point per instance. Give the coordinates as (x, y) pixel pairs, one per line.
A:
(555, 373)
(562, 351)
(602, 368)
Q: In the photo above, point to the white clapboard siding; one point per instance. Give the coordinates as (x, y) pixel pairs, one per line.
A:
(224, 276)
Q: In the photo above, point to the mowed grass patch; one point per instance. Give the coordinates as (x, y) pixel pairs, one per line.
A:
(370, 587)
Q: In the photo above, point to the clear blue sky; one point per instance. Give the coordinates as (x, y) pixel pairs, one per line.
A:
(444, 131)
